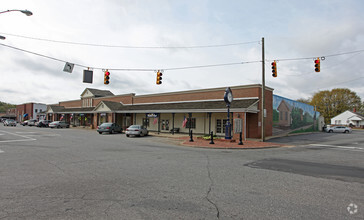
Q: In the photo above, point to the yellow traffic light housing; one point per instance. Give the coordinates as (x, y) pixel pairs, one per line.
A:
(106, 77)
(317, 65)
(159, 78)
(274, 69)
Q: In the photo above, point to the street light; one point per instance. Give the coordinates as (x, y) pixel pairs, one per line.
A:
(26, 12)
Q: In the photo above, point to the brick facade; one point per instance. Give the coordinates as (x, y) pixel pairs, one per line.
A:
(252, 119)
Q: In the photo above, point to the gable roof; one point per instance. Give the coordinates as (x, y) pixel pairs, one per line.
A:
(352, 114)
(113, 106)
(54, 108)
(283, 102)
(98, 92)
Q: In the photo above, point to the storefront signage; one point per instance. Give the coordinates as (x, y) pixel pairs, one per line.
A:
(103, 114)
(152, 115)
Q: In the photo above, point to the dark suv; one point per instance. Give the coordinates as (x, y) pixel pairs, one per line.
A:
(43, 123)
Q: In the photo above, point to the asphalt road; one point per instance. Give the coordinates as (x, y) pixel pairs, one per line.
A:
(79, 174)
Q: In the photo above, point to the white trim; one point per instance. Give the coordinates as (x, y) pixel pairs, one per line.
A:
(206, 100)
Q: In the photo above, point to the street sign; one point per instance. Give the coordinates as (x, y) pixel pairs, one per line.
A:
(87, 76)
(68, 67)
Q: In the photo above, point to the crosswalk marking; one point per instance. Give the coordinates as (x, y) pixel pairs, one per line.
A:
(340, 147)
(26, 138)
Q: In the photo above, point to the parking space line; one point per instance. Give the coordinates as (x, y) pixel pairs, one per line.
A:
(1, 151)
(26, 138)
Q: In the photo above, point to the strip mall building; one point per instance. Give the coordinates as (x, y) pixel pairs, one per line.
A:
(204, 110)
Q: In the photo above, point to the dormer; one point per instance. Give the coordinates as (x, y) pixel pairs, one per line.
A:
(89, 94)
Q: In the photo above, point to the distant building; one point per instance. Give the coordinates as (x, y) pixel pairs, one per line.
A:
(348, 118)
(30, 111)
(9, 114)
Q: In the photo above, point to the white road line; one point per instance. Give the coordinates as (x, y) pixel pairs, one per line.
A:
(335, 146)
(27, 138)
(25, 132)
(1, 151)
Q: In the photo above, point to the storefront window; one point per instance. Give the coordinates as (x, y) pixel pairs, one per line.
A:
(191, 123)
(146, 122)
(220, 125)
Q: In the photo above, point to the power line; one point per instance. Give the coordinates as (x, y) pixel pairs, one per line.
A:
(309, 58)
(131, 47)
(128, 69)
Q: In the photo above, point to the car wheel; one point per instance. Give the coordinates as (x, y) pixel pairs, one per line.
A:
(58, 126)
(100, 132)
(346, 131)
(127, 135)
(112, 132)
(330, 131)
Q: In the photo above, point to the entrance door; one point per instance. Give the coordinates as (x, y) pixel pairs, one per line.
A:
(165, 125)
(220, 126)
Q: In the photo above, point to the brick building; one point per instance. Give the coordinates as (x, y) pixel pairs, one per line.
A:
(204, 110)
(30, 111)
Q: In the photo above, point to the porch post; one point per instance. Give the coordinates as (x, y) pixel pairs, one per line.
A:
(173, 123)
(209, 113)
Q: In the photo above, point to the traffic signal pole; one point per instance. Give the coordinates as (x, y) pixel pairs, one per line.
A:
(263, 91)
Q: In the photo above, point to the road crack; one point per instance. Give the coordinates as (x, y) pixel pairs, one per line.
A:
(210, 188)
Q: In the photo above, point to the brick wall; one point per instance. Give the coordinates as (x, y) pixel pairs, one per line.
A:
(124, 99)
(196, 95)
(71, 104)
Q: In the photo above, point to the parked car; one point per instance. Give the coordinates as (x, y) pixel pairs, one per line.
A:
(43, 123)
(9, 122)
(109, 127)
(136, 130)
(31, 122)
(338, 129)
(59, 124)
(24, 122)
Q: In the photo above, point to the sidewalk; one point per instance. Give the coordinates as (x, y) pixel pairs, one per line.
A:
(218, 143)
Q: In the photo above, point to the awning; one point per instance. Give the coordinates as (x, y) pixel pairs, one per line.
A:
(25, 115)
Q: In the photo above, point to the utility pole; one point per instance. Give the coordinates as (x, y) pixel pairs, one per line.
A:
(263, 91)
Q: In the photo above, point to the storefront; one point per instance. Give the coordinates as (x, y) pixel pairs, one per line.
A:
(202, 111)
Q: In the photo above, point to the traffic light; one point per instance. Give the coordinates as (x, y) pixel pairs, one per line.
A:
(106, 77)
(274, 69)
(317, 65)
(159, 78)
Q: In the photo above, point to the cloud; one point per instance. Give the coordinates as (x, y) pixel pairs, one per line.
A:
(291, 29)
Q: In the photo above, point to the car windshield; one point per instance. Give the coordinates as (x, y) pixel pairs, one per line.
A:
(135, 126)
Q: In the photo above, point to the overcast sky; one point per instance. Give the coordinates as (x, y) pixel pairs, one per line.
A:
(292, 29)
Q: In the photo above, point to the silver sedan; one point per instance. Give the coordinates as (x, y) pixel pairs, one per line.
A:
(136, 130)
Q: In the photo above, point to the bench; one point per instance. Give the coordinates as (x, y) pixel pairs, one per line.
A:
(174, 130)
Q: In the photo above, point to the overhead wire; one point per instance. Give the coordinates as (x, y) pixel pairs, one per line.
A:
(175, 68)
(308, 58)
(132, 47)
(128, 69)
